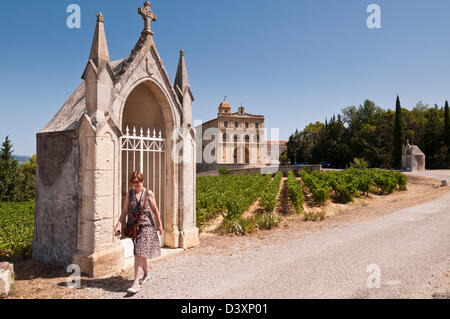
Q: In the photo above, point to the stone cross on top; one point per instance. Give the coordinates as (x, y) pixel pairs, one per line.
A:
(148, 16)
(100, 17)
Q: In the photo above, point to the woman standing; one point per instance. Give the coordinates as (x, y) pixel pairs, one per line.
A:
(146, 244)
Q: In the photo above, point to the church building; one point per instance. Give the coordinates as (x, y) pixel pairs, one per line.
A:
(240, 140)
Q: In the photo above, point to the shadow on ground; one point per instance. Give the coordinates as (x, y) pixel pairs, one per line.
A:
(112, 284)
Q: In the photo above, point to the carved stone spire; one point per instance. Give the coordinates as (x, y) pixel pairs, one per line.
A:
(183, 90)
(148, 16)
(182, 79)
(99, 49)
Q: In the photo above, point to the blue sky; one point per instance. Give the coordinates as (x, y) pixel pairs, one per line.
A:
(295, 61)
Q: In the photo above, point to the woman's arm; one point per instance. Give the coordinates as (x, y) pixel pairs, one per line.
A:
(154, 207)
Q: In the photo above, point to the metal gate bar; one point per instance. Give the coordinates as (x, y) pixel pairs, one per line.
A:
(143, 146)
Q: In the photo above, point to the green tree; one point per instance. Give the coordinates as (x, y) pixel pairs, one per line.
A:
(366, 132)
(17, 183)
(9, 172)
(433, 139)
(398, 136)
(6, 150)
(446, 126)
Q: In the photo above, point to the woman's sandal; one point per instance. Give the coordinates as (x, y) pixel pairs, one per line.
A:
(134, 289)
(144, 279)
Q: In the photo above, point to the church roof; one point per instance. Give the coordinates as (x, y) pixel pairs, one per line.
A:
(416, 150)
(225, 104)
(71, 113)
(73, 110)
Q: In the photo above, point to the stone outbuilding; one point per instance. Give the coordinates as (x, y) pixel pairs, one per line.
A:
(125, 116)
(413, 159)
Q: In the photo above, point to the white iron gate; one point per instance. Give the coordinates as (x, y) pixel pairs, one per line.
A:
(147, 154)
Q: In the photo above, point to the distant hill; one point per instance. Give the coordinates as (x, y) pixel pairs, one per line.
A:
(22, 159)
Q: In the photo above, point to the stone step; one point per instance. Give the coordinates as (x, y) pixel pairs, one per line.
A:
(6, 278)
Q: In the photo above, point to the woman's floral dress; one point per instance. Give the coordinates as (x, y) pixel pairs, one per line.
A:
(147, 243)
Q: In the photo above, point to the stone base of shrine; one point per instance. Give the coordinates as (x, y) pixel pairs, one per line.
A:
(189, 238)
(101, 264)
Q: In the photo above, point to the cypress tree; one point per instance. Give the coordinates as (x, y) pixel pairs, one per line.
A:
(398, 137)
(447, 126)
(6, 150)
(9, 174)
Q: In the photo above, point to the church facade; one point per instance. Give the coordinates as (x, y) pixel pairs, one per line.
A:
(234, 140)
(125, 116)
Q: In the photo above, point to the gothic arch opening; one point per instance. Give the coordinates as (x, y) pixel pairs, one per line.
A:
(147, 124)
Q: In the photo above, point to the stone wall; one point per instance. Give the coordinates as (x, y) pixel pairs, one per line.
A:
(264, 170)
(57, 198)
(204, 167)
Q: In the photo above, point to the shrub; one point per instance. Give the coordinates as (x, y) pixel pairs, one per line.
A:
(16, 230)
(295, 191)
(269, 196)
(402, 181)
(224, 171)
(359, 163)
(240, 226)
(386, 181)
(267, 221)
(314, 217)
(320, 195)
(317, 184)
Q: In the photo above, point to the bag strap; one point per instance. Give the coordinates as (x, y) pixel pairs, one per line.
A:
(143, 207)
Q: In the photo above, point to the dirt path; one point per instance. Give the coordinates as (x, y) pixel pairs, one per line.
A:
(284, 206)
(34, 280)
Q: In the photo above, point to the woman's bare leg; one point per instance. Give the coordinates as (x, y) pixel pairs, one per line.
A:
(138, 268)
(145, 267)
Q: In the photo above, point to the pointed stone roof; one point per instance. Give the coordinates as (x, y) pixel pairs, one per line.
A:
(71, 113)
(99, 49)
(74, 110)
(181, 83)
(182, 79)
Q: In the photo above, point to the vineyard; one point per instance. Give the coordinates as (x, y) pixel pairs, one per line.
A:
(295, 192)
(232, 195)
(351, 182)
(16, 229)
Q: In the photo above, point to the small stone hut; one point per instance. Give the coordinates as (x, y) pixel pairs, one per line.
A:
(126, 115)
(413, 159)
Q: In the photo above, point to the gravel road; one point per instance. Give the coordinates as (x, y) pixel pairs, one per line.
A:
(436, 174)
(411, 247)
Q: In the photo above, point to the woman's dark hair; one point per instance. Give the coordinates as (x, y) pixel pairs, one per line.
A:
(137, 175)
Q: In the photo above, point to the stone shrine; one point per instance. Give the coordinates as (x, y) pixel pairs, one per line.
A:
(126, 115)
(413, 159)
